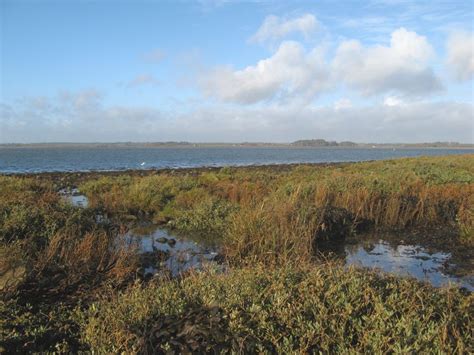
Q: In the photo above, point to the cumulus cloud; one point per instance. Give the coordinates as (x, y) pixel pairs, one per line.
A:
(274, 27)
(143, 79)
(392, 101)
(402, 67)
(460, 58)
(290, 73)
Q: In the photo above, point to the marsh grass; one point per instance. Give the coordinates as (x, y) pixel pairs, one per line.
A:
(40, 295)
(275, 231)
(63, 270)
(52, 257)
(260, 213)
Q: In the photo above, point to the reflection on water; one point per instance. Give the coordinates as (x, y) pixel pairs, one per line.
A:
(404, 260)
(74, 197)
(161, 249)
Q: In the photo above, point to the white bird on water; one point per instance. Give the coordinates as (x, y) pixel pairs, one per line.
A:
(143, 163)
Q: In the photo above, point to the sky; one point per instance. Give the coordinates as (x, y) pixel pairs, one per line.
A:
(232, 71)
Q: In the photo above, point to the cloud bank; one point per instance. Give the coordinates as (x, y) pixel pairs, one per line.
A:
(82, 117)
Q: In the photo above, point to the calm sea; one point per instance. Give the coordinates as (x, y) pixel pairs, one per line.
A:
(28, 160)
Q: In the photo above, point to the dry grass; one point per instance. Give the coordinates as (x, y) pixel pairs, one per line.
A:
(275, 231)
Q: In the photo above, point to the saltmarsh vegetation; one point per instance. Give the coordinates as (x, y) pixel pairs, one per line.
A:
(67, 285)
(289, 309)
(53, 257)
(270, 213)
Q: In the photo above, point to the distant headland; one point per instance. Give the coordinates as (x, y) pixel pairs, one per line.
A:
(303, 143)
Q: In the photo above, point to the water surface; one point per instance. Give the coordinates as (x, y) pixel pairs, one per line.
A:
(74, 197)
(407, 260)
(166, 250)
(386, 253)
(29, 160)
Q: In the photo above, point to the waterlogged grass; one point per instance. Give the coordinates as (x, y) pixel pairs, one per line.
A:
(66, 286)
(285, 310)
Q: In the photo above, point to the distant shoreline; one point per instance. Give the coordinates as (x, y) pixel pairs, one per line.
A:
(296, 145)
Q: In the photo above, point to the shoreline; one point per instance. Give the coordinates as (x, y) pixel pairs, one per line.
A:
(226, 145)
(177, 171)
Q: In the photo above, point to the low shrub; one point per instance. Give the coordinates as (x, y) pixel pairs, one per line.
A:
(295, 309)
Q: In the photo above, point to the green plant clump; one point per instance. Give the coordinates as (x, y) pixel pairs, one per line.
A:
(290, 309)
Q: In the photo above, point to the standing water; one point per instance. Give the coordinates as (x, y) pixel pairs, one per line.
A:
(161, 249)
(74, 197)
(412, 260)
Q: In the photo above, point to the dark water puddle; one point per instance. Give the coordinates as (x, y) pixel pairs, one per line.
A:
(74, 197)
(161, 249)
(425, 264)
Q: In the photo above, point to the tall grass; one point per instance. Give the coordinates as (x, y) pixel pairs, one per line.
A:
(274, 230)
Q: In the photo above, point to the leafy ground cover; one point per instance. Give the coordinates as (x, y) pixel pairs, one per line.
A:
(67, 285)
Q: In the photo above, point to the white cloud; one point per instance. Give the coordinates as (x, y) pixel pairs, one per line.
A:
(81, 100)
(392, 101)
(460, 59)
(402, 67)
(291, 73)
(274, 27)
(143, 79)
(294, 74)
(410, 122)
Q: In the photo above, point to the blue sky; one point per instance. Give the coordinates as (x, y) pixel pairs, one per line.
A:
(276, 71)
